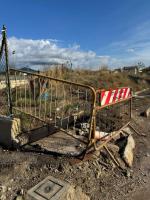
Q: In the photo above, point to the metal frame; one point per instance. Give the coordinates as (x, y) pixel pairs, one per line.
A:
(113, 134)
(94, 108)
(93, 103)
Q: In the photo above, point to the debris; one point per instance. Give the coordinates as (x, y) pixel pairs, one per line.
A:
(147, 155)
(113, 148)
(101, 135)
(127, 173)
(4, 189)
(19, 197)
(132, 126)
(147, 112)
(127, 131)
(128, 151)
(3, 197)
(112, 157)
(98, 175)
(103, 163)
(95, 154)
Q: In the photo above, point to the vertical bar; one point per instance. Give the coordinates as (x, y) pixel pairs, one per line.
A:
(64, 104)
(25, 93)
(45, 101)
(51, 98)
(34, 97)
(16, 100)
(56, 109)
(39, 97)
(131, 105)
(20, 92)
(30, 96)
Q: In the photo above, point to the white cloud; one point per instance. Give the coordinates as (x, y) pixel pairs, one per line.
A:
(130, 50)
(41, 52)
(30, 52)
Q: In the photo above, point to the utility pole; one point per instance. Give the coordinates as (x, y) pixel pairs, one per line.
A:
(5, 49)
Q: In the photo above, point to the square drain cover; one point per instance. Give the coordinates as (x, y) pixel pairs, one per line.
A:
(48, 189)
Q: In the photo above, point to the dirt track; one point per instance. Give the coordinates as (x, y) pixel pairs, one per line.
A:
(19, 171)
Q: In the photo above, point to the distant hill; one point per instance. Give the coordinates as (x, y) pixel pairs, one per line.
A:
(27, 69)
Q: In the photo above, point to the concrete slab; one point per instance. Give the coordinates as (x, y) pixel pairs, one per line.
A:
(62, 143)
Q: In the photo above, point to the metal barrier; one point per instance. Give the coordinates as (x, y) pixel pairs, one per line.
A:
(75, 109)
(62, 104)
(113, 112)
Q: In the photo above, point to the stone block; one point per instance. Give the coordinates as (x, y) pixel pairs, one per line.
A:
(147, 112)
(128, 151)
(9, 129)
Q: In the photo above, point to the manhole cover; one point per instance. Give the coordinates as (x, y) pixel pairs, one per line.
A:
(48, 189)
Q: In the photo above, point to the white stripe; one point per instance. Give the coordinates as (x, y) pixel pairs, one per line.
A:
(104, 98)
(127, 94)
(118, 95)
(112, 96)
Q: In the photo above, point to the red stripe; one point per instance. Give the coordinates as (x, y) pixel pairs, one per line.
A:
(114, 98)
(108, 98)
(120, 94)
(102, 94)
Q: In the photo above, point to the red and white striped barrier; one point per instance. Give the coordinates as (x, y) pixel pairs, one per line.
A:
(114, 96)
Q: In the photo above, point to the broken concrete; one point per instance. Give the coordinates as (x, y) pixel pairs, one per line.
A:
(128, 151)
(9, 130)
(54, 189)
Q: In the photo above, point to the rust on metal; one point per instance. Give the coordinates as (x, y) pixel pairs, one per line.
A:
(68, 106)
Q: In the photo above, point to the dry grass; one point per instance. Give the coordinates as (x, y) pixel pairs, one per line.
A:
(100, 79)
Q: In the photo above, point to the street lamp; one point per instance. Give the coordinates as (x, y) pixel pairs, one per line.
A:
(13, 53)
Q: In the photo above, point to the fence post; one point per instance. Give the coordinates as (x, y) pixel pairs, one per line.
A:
(8, 86)
(131, 104)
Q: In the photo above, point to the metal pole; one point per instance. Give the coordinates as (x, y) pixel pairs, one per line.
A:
(7, 70)
(2, 46)
(131, 104)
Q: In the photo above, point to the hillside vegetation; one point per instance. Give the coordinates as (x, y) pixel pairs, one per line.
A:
(101, 79)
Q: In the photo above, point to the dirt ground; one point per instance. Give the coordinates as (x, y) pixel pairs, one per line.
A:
(19, 171)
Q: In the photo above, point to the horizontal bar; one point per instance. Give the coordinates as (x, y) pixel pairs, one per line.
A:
(102, 90)
(110, 138)
(55, 79)
(111, 104)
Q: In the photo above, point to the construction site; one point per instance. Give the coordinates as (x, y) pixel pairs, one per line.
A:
(73, 134)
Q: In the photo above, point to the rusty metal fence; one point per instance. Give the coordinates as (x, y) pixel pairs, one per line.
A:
(113, 112)
(112, 118)
(61, 104)
(74, 109)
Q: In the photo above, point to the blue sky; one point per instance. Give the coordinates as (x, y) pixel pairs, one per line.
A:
(90, 33)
